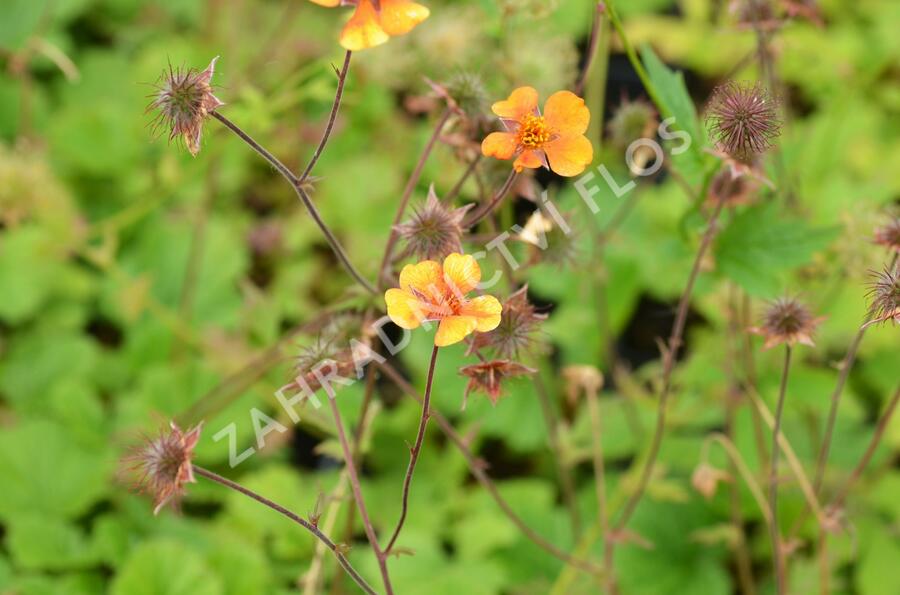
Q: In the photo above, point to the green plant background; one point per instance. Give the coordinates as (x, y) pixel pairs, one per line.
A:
(100, 340)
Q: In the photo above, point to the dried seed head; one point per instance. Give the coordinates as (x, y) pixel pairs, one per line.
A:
(434, 230)
(184, 99)
(487, 377)
(164, 464)
(631, 121)
(888, 235)
(743, 119)
(518, 331)
(884, 296)
(787, 321)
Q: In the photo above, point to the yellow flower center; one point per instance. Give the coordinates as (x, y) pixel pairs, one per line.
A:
(533, 132)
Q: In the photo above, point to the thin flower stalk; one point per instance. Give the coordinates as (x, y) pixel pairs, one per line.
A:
(407, 193)
(314, 530)
(294, 181)
(669, 356)
(332, 117)
(476, 217)
(477, 469)
(600, 487)
(857, 472)
(778, 559)
(356, 488)
(414, 451)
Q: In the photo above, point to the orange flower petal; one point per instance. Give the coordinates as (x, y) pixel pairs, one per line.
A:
(400, 16)
(501, 145)
(521, 102)
(485, 309)
(362, 30)
(461, 273)
(569, 155)
(426, 278)
(529, 159)
(454, 329)
(404, 309)
(565, 113)
(328, 3)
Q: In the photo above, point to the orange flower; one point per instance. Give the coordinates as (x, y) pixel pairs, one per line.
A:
(429, 292)
(375, 21)
(555, 140)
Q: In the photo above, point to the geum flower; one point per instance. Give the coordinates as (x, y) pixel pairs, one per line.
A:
(429, 292)
(375, 21)
(554, 140)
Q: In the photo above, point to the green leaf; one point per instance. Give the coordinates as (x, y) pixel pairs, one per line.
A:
(760, 244)
(166, 567)
(44, 472)
(41, 542)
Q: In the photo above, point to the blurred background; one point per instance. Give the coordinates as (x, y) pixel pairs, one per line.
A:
(140, 284)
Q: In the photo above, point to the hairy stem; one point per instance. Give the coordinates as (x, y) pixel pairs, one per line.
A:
(669, 357)
(775, 533)
(414, 452)
(591, 48)
(476, 468)
(303, 196)
(488, 208)
(339, 93)
(357, 490)
(407, 193)
(345, 564)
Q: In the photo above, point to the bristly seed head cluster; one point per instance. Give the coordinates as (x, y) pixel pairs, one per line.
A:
(888, 235)
(743, 119)
(434, 230)
(488, 377)
(518, 332)
(884, 296)
(163, 465)
(787, 321)
(184, 99)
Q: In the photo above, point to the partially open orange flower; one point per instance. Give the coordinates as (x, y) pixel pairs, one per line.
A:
(429, 292)
(555, 139)
(375, 21)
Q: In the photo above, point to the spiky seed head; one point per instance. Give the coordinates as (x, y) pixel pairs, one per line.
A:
(787, 321)
(468, 91)
(632, 120)
(518, 333)
(164, 465)
(434, 230)
(184, 99)
(884, 296)
(487, 377)
(743, 119)
(888, 235)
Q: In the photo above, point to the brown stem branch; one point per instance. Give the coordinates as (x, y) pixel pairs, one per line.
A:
(591, 48)
(407, 193)
(357, 490)
(669, 358)
(414, 451)
(359, 580)
(476, 468)
(303, 196)
(339, 93)
(487, 209)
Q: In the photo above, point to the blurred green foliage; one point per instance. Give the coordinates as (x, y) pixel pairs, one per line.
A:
(134, 282)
